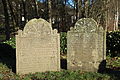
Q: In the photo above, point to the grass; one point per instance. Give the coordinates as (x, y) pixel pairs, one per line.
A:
(113, 63)
(7, 74)
(2, 37)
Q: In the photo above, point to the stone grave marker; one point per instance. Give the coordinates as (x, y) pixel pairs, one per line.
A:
(37, 48)
(86, 46)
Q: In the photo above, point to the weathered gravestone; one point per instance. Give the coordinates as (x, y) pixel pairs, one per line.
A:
(86, 46)
(37, 48)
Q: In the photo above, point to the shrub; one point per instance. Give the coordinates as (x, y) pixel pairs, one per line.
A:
(10, 42)
(63, 42)
(113, 43)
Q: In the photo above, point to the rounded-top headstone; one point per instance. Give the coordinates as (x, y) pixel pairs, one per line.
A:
(86, 25)
(37, 27)
(86, 46)
(37, 48)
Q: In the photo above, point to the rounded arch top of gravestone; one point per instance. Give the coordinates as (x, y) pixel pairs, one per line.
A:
(37, 27)
(86, 25)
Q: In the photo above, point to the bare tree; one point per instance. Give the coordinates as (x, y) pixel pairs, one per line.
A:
(49, 12)
(24, 16)
(12, 14)
(116, 14)
(36, 8)
(6, 14)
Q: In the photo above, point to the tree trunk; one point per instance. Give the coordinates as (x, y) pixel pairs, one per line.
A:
(64, 16)
(49, 11)
(116, 15)
(7, 26)
(12, 14)
(24, 11)
(86, 4)
(77, 10)
(80, 8)
(36, 9)
(20, 16)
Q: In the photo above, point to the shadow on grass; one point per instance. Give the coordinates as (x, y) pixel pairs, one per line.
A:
(114, 72)
(63, 64)
(8, 56)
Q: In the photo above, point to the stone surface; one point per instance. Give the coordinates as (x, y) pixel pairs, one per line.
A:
(37, 48)
(85, 46)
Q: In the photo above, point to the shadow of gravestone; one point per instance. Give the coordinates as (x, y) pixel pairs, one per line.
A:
(113, 72)
(7, 56)
(63, 63)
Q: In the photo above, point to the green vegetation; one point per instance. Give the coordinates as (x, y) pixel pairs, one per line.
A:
(10, 42)
(113, 43)
(7, 74)
(63, 43)
(113, 63)
(2, 37)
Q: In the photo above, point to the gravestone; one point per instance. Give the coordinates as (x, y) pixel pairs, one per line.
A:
(86, 46)
(37, 48)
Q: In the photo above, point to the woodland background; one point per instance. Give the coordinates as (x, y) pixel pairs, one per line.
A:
(62, 14)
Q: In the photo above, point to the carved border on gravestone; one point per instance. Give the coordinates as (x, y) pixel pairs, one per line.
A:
(85, 28)
(101, 34)
(40, 29)
(36, 30)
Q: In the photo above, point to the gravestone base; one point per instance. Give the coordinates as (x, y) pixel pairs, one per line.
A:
(86, 66)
